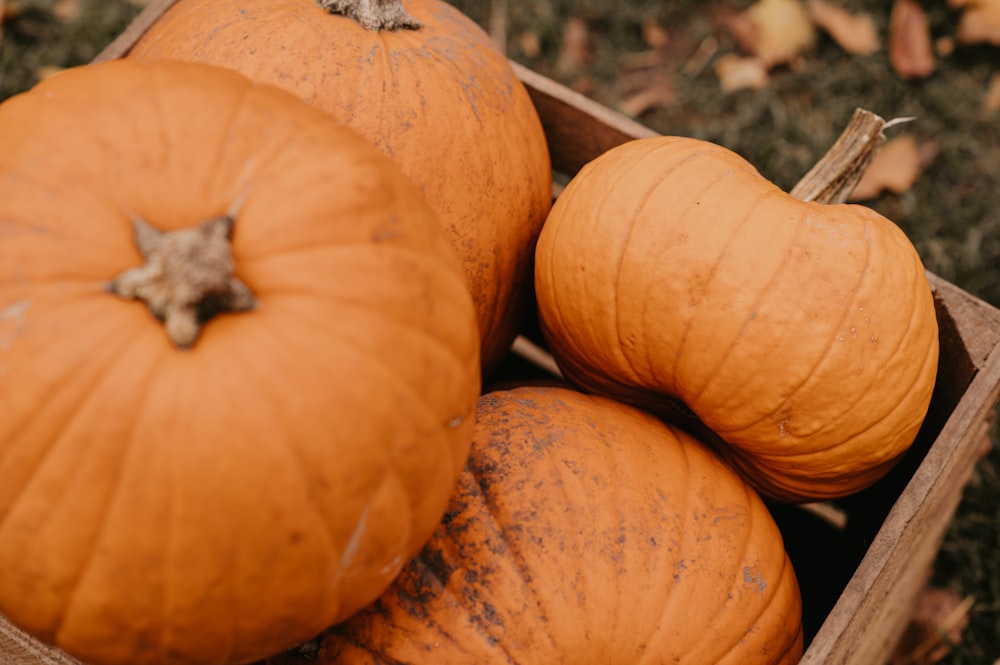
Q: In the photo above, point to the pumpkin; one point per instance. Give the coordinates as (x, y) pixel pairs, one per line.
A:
(672, 275)
(425, 84)
(585, 531)
(225, 483)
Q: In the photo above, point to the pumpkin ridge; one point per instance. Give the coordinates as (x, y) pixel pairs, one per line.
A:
(709, 277)
(481, 489)
(672, 596)
(113, 498)
(232, 126)
(896, 405)
(101, 369)
(788, 647)
(821, 357)
(379, 362)
(861, 393)
(629, 224)
(738, 582)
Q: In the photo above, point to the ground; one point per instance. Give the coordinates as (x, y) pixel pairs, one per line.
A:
(604, 48)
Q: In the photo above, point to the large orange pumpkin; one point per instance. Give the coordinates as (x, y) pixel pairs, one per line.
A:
(802, 334)
(441, 99)
(225, 488)
(585, 531)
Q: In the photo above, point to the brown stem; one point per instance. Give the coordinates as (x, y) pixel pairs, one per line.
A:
(187, 277)
(835, 175)
(373, 14)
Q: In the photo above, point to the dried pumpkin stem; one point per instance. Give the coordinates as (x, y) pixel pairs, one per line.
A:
(187, 277)
(835, 175)
(373, 14)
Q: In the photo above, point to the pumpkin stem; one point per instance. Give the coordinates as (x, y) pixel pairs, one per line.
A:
(373, 14)
(835, 175)
(187, 277)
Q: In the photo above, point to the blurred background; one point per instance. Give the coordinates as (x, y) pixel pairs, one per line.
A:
(776, 81)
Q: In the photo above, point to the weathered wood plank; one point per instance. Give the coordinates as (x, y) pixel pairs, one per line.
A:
(127, 39)
(577, 127)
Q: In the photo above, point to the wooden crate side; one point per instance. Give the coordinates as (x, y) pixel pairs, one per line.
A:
(127, 39)
(873, 610)
(19, 648)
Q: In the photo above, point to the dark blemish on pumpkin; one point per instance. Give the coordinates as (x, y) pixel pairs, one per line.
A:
(750, 577)
(295, 537)
(436, 566)
(652, 541)
(390, 230)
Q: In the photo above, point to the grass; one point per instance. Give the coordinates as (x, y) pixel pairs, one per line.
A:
(952, 214)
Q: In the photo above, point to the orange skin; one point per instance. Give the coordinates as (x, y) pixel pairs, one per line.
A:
(441, 100)
(803, 335)
(223, 502)
(585, 531)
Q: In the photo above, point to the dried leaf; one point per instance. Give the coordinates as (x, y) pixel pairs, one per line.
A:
(991, 102)
(48, 71)
(980, 21)
(736, 72)
(655, 35)
(910, 51)
(895, 167)
(855, 33)
(658, 90)
(530, 44)
(66, 10)
(940, 618)
(574, 55)
(776, 32)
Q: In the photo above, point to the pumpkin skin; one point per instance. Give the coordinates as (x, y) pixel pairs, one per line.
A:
(803, 335)
(585, 531)
(442, 101)
(220, 503)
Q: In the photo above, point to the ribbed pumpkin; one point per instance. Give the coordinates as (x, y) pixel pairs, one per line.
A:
(802, 334)
(440, 99)
(227, 487)
(588, 532)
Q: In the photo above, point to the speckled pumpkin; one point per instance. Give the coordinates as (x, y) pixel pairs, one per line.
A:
(441, 99)
(585, 532)
(220, 485)
(802, 334)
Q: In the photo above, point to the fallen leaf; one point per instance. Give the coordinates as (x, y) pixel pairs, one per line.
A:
(910, 51)
(944, 46)
(776, 32)
(658, 90)
(530, 44)
(980, 21)
(895, 167)
(737, 72)
(991, 102)
(939, 619)
(655, 35)
(855, 33)
(48, 71)
(574, 54)
(66, 10)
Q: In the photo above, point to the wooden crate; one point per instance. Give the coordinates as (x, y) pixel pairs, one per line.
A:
(860, 574)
